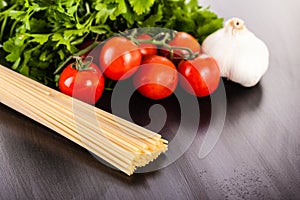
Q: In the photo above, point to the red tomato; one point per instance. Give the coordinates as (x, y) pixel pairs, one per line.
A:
(145, 48)
(119, 58)
(182, 39)
(84, 84)
(200, 76)
(156, 78)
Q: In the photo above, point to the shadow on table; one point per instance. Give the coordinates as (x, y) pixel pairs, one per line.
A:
(242, 100)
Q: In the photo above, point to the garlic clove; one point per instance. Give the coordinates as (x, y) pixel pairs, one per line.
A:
(242, 57)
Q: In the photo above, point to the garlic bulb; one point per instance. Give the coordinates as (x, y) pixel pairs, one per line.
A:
(241, 56)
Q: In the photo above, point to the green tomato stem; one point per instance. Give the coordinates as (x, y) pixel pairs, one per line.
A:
(79, 53)
(162, 43)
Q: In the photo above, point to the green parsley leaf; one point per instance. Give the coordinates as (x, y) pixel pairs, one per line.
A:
(39, 38)
(141, 7)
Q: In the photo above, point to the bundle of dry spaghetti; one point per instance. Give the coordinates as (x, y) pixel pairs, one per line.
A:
(121, 143)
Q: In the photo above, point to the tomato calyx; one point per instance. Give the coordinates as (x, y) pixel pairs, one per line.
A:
(83, 65)
(161, 39)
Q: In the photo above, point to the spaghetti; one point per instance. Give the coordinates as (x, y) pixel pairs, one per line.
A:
(123, 144)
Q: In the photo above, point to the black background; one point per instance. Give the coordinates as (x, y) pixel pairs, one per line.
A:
(256, 157)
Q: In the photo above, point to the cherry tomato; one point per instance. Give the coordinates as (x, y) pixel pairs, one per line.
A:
(119, 58)
(182, 39)
(200, 76)
(145, 48)
(156, 78)
(85, 84)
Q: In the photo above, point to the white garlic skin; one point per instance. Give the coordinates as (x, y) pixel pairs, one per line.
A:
(242, 57)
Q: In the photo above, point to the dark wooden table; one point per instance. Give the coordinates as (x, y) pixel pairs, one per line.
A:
(256, 157)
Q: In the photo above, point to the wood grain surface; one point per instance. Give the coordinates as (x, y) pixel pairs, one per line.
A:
(256, 157)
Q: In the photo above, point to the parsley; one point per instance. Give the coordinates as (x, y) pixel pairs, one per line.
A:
(39, 35)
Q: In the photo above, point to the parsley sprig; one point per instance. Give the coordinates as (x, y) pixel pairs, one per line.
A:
(38, 36)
